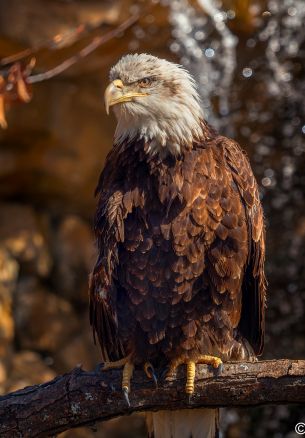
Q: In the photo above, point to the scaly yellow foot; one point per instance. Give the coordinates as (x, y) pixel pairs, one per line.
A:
(190, 377)
(128, 368)
(216, 362)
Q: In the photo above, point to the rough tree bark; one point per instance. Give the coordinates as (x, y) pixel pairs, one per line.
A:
(82, 398)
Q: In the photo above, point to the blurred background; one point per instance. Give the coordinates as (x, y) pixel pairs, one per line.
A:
(248, 57)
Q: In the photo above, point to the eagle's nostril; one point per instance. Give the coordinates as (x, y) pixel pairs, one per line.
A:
(118, 83)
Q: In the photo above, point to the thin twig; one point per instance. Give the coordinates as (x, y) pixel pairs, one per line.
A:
(95, 43)
(56, 42)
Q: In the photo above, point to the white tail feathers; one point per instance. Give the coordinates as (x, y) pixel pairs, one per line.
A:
(187, 423)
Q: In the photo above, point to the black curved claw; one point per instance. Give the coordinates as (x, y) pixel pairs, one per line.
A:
(155, 379)
(153, 376)
(126, 397)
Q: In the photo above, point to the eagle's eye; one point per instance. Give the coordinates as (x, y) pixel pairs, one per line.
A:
(145, 82)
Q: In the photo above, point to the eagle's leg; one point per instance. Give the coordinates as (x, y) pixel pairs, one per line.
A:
(190, 372)
(216, 362)
(128, 367)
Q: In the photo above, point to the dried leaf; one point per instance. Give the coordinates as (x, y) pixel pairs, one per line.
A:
(3, 122)
(22, 90)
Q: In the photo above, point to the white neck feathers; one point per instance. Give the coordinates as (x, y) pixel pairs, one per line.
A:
(176, 125)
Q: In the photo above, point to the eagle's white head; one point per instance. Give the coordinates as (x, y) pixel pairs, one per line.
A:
(156, 100)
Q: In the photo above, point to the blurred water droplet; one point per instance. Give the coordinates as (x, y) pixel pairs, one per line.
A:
(292, 11)
(266, 182)
(219, 16)
(288, 170)
(133, 45)
(231, 14)
(138, 32)
(251, 42)
(209, 53)
(263, 150)
(134, 9)
(199, 35)
(150, 19)
(247, 72)
(175, 47)
(245, 131)
(269, 173)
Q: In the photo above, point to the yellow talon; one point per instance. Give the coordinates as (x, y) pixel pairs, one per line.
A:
(128, 367)
(209, 360)
(127, 374)
(216, 362)
(190, 377)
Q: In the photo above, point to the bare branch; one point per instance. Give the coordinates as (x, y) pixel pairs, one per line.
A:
(95, 43)
(57, 42)
(82, 398)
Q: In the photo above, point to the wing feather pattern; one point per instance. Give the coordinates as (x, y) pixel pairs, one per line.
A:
(252, 321)
(103, 317)
(109, 231)
(116, 201)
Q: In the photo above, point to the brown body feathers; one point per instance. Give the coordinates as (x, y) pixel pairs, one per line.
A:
(180, 269)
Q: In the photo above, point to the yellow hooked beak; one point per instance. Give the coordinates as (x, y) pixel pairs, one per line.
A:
(114, 94)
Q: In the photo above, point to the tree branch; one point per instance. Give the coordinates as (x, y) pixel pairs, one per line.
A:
(81, 398)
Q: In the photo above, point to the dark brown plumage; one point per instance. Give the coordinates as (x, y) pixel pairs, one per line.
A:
(181, 245)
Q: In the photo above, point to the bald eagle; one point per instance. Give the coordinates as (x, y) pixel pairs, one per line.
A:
(179, 277)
